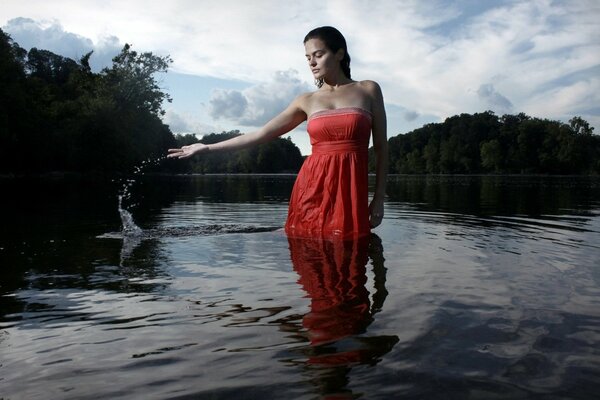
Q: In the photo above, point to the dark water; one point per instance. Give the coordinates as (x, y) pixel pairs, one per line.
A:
(473, 288)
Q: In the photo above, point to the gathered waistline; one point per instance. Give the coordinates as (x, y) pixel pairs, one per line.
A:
(339, 146)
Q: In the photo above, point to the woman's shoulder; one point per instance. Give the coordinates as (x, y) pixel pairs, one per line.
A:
(369, 85)
(304, 100)
(300, 105)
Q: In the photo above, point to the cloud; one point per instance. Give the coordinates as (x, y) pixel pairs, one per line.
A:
(410, 115)
(494, 99)
(257, 104)
(184, 123)
(50, 35)
(438, 68)
(230, 104)
(432, 57)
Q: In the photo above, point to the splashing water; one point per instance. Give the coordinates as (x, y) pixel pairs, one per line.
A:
(128, 224)
(132, 234)
(129, 227)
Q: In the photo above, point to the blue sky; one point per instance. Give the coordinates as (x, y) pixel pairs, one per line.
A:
(238, 63)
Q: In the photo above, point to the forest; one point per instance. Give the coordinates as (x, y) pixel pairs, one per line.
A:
(57, 115)
(278, 156)
(485, 143)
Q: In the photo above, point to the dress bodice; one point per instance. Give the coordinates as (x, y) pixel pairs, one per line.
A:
(330, 196)
(347, 124)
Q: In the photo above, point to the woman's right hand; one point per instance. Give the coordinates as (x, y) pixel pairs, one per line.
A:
(187, 151)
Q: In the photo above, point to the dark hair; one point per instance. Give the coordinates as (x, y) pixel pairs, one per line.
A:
(334, 41)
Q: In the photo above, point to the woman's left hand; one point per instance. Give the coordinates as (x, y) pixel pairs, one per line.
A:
(375, 212)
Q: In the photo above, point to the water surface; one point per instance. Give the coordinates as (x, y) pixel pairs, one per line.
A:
(473, 287)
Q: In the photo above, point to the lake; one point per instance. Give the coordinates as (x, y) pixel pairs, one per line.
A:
(474, 287)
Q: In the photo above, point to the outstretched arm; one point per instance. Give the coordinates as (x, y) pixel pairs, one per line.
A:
(380, 146)
(290, 118)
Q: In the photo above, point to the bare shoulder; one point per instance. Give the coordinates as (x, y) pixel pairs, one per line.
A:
(302, 102)
(371, 87)
(373, 91)
(304, 98)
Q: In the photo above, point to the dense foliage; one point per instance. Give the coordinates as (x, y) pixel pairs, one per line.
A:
(486, 143)
(279, 155)
(57, 115)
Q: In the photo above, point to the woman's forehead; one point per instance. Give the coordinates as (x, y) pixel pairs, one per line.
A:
(313, 45)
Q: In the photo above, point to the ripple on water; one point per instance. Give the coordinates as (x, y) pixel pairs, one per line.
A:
(207, 302)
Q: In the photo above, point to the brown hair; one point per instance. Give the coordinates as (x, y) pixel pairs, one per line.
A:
(334, 41)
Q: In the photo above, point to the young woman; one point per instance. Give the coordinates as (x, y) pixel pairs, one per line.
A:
(330, 196)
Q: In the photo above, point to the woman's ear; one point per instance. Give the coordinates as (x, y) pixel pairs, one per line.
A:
(339, 55)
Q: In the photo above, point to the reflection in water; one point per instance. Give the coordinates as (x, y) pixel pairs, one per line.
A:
(130, 242)
(494, 286)
(334, 275)
(497, 195)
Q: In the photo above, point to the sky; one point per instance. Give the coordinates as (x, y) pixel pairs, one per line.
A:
(237, 64)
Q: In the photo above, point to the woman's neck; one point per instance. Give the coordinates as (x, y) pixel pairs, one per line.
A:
(335, 82)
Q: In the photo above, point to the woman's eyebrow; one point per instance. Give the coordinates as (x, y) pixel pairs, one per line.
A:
(314, 52)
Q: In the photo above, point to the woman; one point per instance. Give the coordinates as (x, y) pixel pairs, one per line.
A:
(330, 196)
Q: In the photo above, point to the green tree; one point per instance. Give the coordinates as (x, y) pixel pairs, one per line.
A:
(50, 67)
(132, 80)
(580, 126)
(276, 156)
(13, 102)
(483, 142)
(431, 153)
(491, 155)
(69, 118)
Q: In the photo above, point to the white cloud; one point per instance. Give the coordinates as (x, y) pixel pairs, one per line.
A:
(50, 35)
(432, 58)
(230, 104)
(186, 123)
(257, 104)
(496, 102)
(47, 35)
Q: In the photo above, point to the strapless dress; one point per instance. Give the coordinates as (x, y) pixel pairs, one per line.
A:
(330, 195)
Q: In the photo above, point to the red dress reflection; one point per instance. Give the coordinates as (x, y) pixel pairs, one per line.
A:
(333, 273)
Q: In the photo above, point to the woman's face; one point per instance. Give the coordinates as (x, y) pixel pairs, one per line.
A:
(321, 60)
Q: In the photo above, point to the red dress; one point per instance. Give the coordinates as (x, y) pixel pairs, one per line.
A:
(330, 196)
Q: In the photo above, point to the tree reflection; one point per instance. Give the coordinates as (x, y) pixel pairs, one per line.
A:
(334, 275)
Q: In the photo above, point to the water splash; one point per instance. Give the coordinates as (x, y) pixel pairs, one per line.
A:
(129, 227)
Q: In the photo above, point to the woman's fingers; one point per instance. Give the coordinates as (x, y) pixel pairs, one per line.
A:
(376, 219)
(375, 214)
(174, 153)
(179, 153)
(186, 151)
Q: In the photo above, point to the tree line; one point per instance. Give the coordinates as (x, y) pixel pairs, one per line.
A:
(56, 114)
(277, 156)
(486, 143)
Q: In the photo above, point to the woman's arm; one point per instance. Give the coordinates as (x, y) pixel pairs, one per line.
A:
(380, 146)
(290, 118)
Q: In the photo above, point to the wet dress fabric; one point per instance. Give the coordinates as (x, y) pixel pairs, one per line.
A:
(330, 197)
